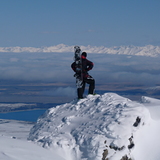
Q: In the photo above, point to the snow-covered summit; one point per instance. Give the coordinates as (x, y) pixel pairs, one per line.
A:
(95, 128)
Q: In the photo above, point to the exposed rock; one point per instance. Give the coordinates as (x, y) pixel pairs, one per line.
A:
(116, 147)
(125, 158)
(105, 153)
(138, 120)
(131, 145)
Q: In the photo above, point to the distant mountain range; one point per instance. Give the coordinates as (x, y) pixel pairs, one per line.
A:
(148, 50)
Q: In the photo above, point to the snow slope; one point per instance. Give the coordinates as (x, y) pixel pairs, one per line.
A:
(95, 128)
(14, 144)
(15, 149)
(100, 127)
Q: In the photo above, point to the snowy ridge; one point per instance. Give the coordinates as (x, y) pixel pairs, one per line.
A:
(95, 128)
(148, 50)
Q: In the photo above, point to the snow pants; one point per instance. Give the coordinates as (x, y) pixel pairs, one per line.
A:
(89, 80)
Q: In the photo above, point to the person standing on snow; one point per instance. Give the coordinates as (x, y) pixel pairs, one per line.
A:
(84, 76)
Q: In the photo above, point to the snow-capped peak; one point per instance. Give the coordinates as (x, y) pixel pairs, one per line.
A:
(148, 50)
(94, 128)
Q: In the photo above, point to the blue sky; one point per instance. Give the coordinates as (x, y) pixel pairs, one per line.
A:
(36, 23)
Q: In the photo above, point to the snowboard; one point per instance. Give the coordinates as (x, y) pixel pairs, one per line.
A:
(78, 61)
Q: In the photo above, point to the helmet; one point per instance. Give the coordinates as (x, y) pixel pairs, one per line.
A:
(84, 54)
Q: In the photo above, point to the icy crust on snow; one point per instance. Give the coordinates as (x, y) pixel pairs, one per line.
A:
(153, 106)
(84, 129)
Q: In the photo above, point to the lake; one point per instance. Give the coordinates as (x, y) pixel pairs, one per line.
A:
(30, 115)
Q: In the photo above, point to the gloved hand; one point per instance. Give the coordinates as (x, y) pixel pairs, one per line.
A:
(76, 75)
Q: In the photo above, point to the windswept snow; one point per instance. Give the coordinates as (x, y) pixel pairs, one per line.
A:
(97, 125)
(100, 127)
(154, 107)
(15, 149)
(14, 144)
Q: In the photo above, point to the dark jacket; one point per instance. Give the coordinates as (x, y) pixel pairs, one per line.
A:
(86, 66)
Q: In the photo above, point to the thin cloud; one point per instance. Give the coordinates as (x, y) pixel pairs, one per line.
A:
(60, 91)
(49, 32)
(56, 67)
(91, 30)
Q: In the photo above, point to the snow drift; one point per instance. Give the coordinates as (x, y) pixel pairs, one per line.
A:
(98, 127)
